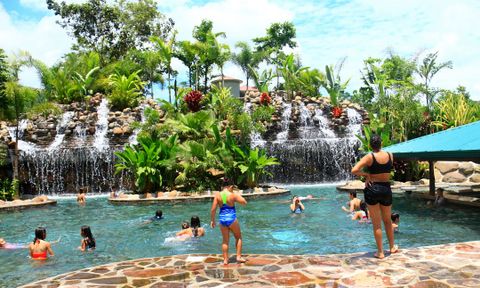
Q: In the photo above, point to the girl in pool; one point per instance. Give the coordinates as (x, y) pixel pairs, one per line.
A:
(194, 230)
(88, 242)
(39, 247)
(297, 205)
(395, 221)
(362, 215)
(5, 245)
(228, 220)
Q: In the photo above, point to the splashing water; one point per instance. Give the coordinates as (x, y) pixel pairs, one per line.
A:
(100, 141)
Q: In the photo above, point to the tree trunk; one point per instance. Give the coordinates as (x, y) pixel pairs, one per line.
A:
(205, 80)
(16, 159)
(221, 71)
(247, 84)
(190, 77)
(175, 90)
(431, 168)
(169, 93)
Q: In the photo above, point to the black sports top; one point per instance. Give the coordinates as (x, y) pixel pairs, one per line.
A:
(377, 168)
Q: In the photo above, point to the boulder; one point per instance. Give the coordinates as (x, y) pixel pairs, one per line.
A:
(117, 131)
(446, 166)
(475, 178)
(454, 177)
(476, 167)
(438, 176)
(466, 168)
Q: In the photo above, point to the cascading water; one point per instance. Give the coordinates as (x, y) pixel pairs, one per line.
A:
(101, 141)
(24, 146)
(67, 116)
(309, 150)
(133, 138)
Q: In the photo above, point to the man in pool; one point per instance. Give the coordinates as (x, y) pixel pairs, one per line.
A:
(354, 203)
(5, 245)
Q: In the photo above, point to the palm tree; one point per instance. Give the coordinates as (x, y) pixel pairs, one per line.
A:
(166, 52)
(247, 59)
(427, 69)
(187, 53)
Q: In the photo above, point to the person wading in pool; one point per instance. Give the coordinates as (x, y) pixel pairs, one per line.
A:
(228, 220)
(378, 194)
(353, 204)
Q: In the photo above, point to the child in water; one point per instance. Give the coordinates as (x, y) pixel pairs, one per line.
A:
(361, 215)
(194, 230)
(39, 247)
(81, 197)
(395, 221)
(88, 242)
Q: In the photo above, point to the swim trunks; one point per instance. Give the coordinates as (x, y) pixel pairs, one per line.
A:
(378, 193)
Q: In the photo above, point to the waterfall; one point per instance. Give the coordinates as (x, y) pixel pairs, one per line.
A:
(27, 147)
(101, 141)
(309, 149)
(67, 116)
(133, 138)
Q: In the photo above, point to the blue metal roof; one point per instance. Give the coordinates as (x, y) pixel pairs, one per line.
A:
(459, 143)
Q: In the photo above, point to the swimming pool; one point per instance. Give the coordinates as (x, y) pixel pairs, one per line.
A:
(267, 227)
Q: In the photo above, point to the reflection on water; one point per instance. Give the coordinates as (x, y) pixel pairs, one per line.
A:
(267, 227)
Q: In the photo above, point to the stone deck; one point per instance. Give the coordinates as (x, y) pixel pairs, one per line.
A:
(23, 204)
(450, 265)
(175, 196)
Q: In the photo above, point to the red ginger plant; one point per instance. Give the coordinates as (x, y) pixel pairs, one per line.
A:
(193, 99)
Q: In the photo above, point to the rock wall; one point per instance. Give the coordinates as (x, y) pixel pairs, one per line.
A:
(457, 172)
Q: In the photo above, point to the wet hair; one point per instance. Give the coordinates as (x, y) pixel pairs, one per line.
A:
(375, 142)
(40, 234)
(363, 207)
(87, 234)
(293, 197)
(83, 190)
(354, 194)
(195, 224)
(158, 214)
(185, 225)
(395, 216)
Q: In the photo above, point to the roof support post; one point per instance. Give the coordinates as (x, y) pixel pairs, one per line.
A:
(431, 169)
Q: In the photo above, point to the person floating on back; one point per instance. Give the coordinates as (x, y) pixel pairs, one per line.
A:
(88, 242)
(39, 247)
(377, 192)
(353, 204)
(228, 220)
(81, 197)
(297, 206)
(5, 245)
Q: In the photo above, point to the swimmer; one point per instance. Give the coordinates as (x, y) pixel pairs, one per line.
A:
(39, 247)
(114, 193)
(194, 230)
(361, 215)
(439, 199)
(158, 216)
(228, 220)
(395, 221)
(296, 206)
(88, 242)
(184, 233)
(81, 197)
(5, 245)
(354, 203)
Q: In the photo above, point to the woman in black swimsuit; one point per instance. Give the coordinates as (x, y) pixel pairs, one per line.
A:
(377, 192)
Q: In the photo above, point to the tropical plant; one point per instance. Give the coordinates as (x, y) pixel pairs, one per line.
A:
(165, 50)
(187, 53)
(262, 80)
(150, 64)
(455, 110)
(334, 86)
(252, 164)
(191, 126)
(427, 70)
(310, 81)
(126, 90)
(8, 189)
(44, 109)
(262, 114)
(152, 163)
(290, 72)
(85, 82)
(193, 100)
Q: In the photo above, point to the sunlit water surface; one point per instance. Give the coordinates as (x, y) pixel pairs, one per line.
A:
(267, 227)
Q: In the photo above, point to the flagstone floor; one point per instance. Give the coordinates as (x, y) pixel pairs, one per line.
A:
(450, 265)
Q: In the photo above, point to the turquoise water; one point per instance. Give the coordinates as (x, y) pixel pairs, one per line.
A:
(267, 227)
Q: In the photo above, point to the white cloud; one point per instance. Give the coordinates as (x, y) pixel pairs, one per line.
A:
(44, 39)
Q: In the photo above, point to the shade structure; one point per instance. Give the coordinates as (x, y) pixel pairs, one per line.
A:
(461, 143)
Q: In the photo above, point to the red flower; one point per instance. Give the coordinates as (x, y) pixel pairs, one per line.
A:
(265, 98)
(193, 99)
(337, 112)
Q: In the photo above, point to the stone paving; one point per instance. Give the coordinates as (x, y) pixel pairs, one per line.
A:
(450, 265)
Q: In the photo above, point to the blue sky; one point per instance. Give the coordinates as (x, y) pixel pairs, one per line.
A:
(327, 31)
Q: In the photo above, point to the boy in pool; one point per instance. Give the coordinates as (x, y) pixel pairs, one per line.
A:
(81, 197)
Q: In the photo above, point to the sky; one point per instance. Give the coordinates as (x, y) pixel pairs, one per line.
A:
(327, 31)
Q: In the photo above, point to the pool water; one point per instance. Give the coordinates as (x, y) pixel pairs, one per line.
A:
(267, 227)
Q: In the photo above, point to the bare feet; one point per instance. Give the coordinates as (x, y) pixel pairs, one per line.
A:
(379, 255)
(241, 260)
(394, 249)
(225, 262)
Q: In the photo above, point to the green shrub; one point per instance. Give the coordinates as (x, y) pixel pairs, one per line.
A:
(263, 113)
(44, 109)
(126, 90)
(8, 189)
